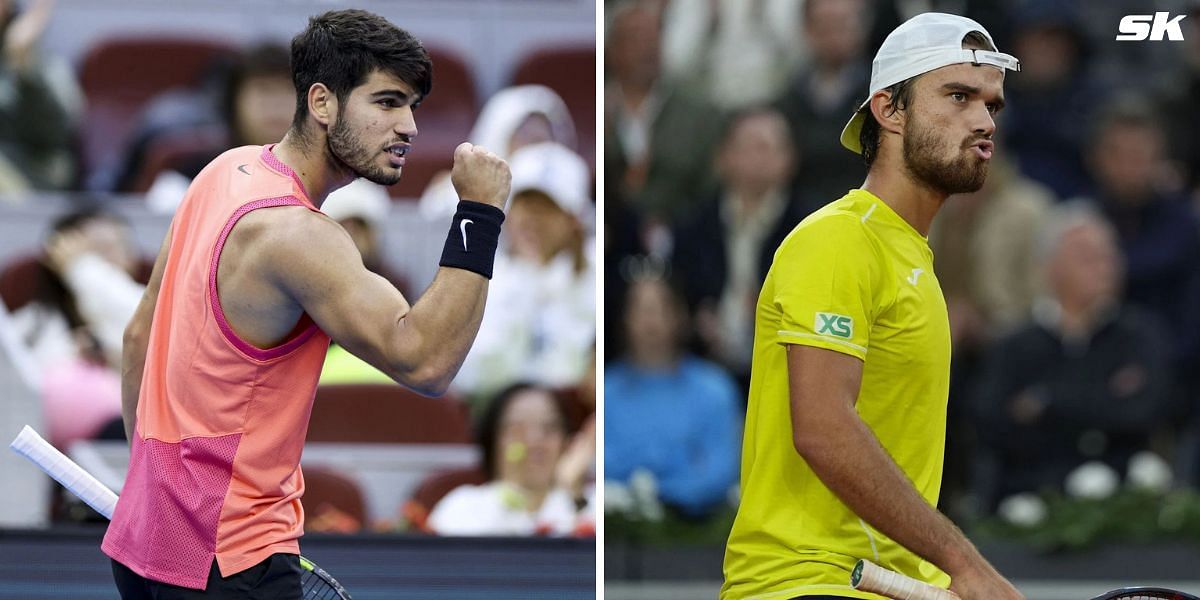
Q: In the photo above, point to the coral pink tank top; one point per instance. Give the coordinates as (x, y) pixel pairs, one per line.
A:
(214, 469)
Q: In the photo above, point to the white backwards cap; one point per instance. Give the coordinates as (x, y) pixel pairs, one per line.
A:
(921, 44)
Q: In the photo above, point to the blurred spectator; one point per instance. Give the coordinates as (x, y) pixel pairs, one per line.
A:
(622, 246)
(984, 244)
(667, 413)
(258, 99)
(1087, 379)
(1158, 231)
(248, 102)
(1179, 106)
(513, 118)
(658, 138)
(40, 103)
(74, 328)
(361, 208)
(86, 289)
(736, 51)
(823, 92)
(1051, 97)
(540, 321)
(986, 265)
(723, 251)
(535, 477)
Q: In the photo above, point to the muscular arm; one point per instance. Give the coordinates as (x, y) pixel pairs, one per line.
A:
(421, 346)
(848, 458)
(136, 338)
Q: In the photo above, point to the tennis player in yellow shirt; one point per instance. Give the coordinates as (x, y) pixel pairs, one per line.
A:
(846, 423)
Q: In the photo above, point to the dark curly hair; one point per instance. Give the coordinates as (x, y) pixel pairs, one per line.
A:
(341, 48)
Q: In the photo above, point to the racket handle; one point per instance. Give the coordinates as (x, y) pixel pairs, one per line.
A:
(870, 577)
(64, 470)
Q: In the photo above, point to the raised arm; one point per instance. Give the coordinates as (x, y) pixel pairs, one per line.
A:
(421, 346)
(848, 458)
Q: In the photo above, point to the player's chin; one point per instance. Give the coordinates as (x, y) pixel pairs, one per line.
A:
(385, 176)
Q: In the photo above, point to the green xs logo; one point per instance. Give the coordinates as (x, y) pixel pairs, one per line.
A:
(835, 325)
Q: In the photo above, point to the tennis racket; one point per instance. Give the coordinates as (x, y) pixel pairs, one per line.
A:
(873, 578)
(870, 577)
(315, 583)
(1145, 593)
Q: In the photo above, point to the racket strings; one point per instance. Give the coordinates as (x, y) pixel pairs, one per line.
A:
(315, 587)
(1145, 596)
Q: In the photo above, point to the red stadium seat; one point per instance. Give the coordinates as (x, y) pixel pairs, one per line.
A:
(18, 281)
(120, 75)
(176, 149)
(433, 489)
(384, 413)
(333, 503)
(569, 70)
(444, 121)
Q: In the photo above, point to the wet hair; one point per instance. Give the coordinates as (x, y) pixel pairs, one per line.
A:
(868, 136)
(488, 429)
(341, 48)
(901, 95)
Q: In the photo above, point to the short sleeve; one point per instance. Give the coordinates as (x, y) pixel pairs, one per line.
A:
(824, 278)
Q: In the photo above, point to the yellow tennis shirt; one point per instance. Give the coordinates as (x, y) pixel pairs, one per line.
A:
(856, 278)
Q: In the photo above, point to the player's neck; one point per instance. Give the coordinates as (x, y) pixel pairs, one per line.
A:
(312, 166)
(915, 203)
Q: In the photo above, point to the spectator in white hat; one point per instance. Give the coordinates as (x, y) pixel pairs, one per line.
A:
(539, 323)
(513, 118)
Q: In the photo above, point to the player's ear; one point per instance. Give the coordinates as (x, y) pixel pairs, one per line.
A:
(885, 112)
(322, 103)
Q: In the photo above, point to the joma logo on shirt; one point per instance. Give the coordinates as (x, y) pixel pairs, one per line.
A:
(835, 325)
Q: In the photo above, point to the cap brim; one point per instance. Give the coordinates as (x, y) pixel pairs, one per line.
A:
(851, 132)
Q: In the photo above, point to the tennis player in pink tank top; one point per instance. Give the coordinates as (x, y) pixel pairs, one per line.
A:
(222, 357)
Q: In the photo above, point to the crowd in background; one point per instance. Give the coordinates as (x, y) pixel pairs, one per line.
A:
(1072, 278)
(529, 381)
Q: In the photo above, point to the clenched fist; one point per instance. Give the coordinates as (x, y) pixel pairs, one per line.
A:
(480, 176)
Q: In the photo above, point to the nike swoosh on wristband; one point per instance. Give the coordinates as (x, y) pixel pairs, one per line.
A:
(462, 225)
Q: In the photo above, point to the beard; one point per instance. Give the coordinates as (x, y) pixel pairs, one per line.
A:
(963, 173)
(347, 149)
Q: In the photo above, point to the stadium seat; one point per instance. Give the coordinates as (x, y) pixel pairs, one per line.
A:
(444, 121)
(18, 281)
(119, 75)
(177, 149)
(431, 491)
(333, 503)
(569, 70)
(385, 413)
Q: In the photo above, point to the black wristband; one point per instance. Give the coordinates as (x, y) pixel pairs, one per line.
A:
(474, 234)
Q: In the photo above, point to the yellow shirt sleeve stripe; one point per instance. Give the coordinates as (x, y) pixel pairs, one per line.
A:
(824, 338)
